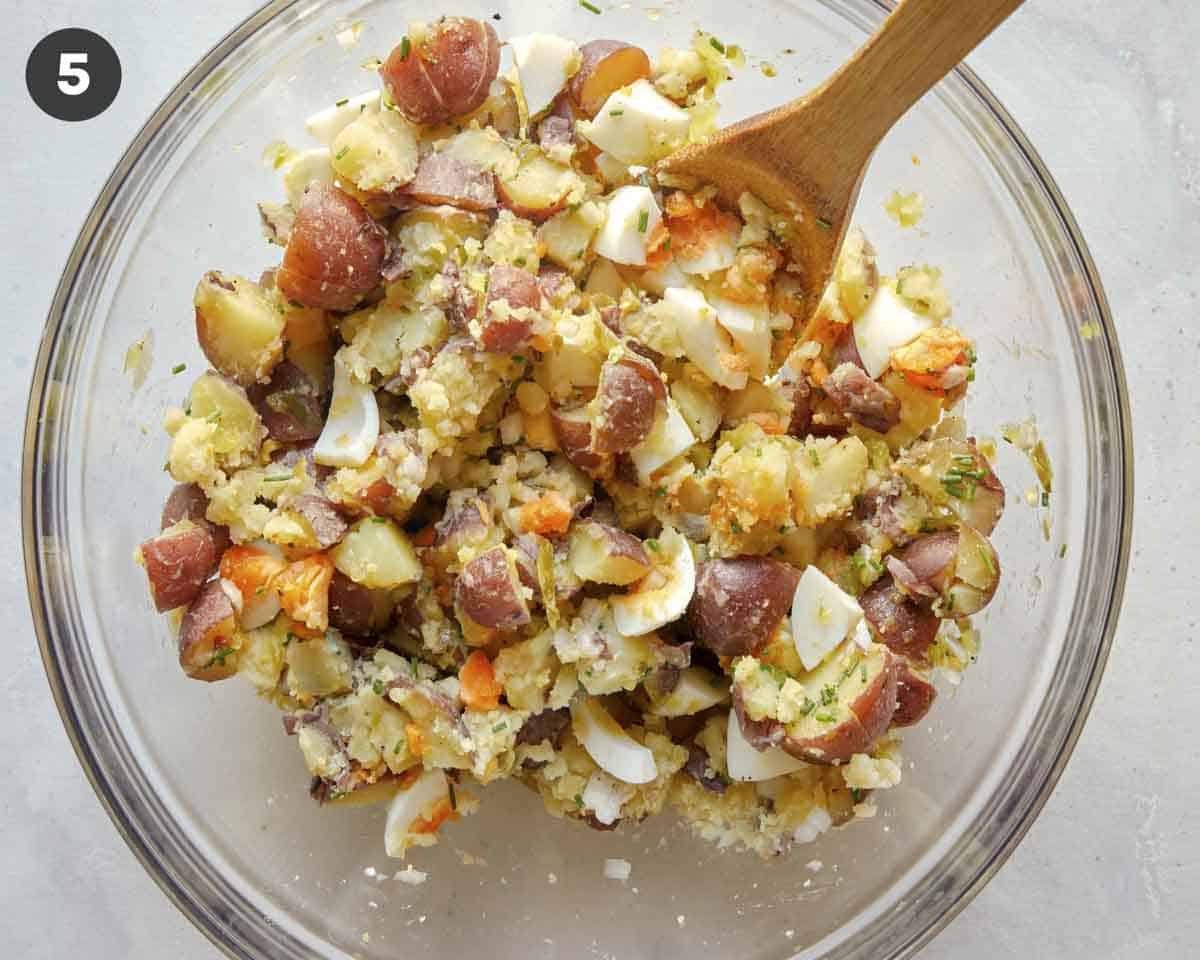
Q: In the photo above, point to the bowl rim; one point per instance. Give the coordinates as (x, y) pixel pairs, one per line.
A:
(151, 859)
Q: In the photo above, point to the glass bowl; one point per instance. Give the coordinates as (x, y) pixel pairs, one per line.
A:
(199, 779)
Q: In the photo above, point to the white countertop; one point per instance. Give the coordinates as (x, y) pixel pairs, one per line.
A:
(1108, 94)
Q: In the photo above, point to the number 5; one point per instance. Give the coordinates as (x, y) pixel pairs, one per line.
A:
(73, 79)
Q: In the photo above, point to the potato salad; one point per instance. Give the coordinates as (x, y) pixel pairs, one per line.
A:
(527, 463)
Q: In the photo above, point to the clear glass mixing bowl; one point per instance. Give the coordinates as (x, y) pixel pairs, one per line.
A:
(199, 778)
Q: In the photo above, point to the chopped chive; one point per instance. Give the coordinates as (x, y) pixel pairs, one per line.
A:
(1062, 551)
(379, 519)
(342, 102)
(809, 707)
(824, 224)
(667, 243)
(986, 556)
(278, 478)
(378, 688)
(405, 47)
(815, 456)
(214, 417)
(717, 45)
(735, 526)
(856, 794)
(590, 7)
(643, 221)
(616, 113)
(499, 726)
(653, 545)
(971, 375)
(341, 153)
(396, 748)
(178, 368)
(826, 717)
(863, 672)
(579, 800)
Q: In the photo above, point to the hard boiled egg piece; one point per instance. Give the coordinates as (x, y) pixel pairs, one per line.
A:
(706, 343)
(349, 435)
(417, 804)
(663, 595)
(326, 124)
(886, 324)
(750, 328)
(544, 63)
(614, 751)
(744, 763)
(637, 124)
(631, 217)
(823, 615)
(668, 438)
(697, 689)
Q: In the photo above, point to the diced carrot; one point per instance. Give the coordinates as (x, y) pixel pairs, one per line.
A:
(549, 514)
(477, 683)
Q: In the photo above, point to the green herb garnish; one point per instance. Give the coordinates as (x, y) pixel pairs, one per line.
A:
(405, 48)
(717, 45)
(579, 800)
(178, 368)
(1045, 499)
(278, 478)
(1062, 551)
(379, 688)
(815, 456)
(590, 7)
(342, 102)
(986, 556)
(653, 545)
(826, 717)
(341, 153)
(643, 221)
(396, 748)
(828, 694)
(825, 224)
(616, 113)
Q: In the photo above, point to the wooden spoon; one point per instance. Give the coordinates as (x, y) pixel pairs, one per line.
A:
(807, 158)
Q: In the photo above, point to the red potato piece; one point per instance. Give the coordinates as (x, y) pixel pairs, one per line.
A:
(336, 252)
(845, 350)
(740, 602)
(624, 409)
(188, 502)
(976, 575)
(206, 636)
(555, 131)
(606, 66)
(914, 695)
(290, 405)
(548, 725)
(489, 591)
(796, 392)
(860, 713)
(358, 611)
(178, 562)
(861, 399)
(538, 190)
(510, 289)
(446, 72)
(462, 526)
(527, 547)
(443, 179)
(328, 524)
(982, 511)
(573, 430)
(604, 554)
(898, 621)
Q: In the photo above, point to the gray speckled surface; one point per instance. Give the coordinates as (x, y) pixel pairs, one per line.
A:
(1111, 869)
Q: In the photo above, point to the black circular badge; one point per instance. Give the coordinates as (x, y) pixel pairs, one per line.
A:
(73, 74)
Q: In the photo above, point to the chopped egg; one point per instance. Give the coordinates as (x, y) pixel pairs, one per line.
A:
(631, 218)
(823, 615)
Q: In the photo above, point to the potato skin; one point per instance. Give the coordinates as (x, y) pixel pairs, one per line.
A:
(489, 592)
(355, 610)
(335, 254)
(178, 562)
(206, 635)
(607, 65)
(625, 405)
(740, 602)
(187, 501)
(519, 289)
(573, 430)
(291, 405)
(914, 695)
(443, 179)
(447, 74)
(898, 621)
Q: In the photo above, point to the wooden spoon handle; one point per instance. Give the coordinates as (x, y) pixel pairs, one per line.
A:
(919, 43)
